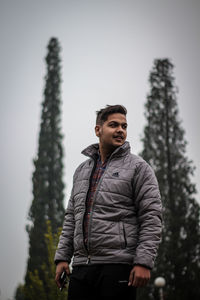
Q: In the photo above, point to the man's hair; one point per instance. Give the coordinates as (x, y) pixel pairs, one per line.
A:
(102, 115)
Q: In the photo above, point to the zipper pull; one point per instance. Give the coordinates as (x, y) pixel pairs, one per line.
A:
(88, 260)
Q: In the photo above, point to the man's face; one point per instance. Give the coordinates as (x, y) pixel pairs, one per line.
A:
(112, 133)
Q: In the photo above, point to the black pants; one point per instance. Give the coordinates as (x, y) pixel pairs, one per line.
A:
(101, 282)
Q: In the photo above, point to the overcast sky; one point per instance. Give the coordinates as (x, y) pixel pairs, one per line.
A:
(108, 48)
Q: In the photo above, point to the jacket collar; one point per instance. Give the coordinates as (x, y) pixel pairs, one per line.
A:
(93, 150)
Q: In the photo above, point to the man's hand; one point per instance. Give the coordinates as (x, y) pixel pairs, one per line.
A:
(61, 266)
(139, 276)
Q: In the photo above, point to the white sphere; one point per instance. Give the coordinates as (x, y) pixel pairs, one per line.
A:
(159, 282)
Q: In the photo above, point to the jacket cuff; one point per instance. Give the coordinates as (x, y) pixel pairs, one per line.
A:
(144, 260)
(147, 267)
(58, 261)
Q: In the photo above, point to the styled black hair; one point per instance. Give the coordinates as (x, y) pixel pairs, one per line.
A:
(102, 115)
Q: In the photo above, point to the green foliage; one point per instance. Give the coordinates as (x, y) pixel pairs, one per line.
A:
(48, 186)
(44, 288)
(35, 290)
(164, 147)
(20, 293)
(50, 268)
(47, 178)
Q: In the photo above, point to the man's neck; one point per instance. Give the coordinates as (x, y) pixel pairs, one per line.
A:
(105, 153)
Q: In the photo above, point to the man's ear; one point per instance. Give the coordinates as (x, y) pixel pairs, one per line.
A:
(97, 130)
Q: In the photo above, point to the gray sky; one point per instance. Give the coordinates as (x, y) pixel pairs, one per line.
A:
(108, 48)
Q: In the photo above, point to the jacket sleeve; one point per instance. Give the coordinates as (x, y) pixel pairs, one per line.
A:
(65, 248)
(148, 206)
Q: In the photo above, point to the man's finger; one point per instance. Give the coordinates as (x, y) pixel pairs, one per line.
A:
(131, 278)
(141, 276)
(139, 282)
(66, 267)
(57, 279)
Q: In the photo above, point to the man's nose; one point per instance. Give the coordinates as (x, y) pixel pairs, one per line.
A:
(120, 129)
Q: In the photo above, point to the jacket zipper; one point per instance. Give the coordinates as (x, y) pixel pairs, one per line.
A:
(83, 218)
(88, 260)
(89, 225)
(90, 220)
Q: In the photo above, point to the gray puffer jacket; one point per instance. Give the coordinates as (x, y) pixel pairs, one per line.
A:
(125, 223)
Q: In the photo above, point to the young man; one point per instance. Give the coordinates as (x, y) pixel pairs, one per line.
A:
(112, 225)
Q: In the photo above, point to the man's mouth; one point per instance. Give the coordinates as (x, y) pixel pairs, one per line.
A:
(118, 137)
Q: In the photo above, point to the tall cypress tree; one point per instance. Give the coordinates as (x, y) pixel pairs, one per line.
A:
(164, 147)
(47, 179)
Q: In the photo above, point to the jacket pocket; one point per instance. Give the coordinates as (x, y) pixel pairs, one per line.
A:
(122, 235)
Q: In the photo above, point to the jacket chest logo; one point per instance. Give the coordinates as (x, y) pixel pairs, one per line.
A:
(115, 174)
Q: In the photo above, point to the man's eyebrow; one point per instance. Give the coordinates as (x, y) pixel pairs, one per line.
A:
(116, 122)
